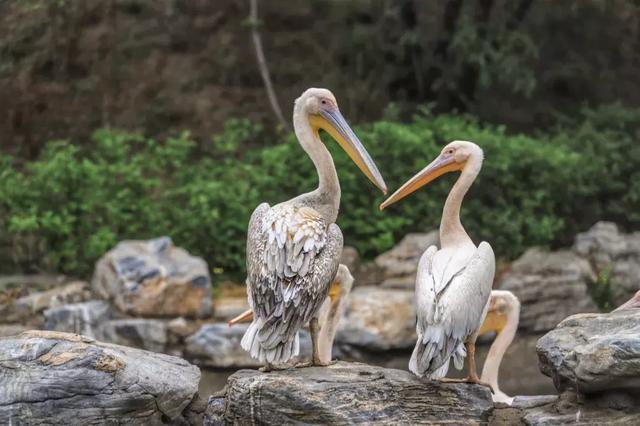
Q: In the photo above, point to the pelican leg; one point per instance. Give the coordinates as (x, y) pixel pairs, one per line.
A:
(472, 376)
(266, 368)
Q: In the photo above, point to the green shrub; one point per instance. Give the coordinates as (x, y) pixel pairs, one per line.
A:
(62, 211)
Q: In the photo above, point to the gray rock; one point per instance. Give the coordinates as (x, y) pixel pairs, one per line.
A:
(379, 319)
(218, 346)
(61, 378)
(228, 307)
(349, 393)
(594, 352)
(12, 329)
(550, 286)
(80, 318)
(22, 300)
(149, 334)
(74, 292)
(154, 279)
(615, 257)
(565, 409)
(214, 414)
(400, 264)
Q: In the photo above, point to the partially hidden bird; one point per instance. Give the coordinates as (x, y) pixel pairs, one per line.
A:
(454, 282)
(503, 316)
(294, 248)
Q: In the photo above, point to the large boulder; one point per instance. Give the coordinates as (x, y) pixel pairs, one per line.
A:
(346, 393)
(61, 378)
(400, 264)
(594, 352)
(218, 346)
(550, 286)
(379, 319)
(154, 279)
(614, 255)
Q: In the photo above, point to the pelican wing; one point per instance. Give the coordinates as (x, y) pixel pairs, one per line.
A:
(292, 259)
(452, 290)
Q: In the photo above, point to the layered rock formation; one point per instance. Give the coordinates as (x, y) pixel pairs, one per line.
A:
(61, 378)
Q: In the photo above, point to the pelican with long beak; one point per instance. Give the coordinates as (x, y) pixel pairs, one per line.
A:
(502, 318)
(453, 283)
(294, 248)
(329, 316)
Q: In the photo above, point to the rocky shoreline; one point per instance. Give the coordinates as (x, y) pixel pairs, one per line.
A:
(591, 359)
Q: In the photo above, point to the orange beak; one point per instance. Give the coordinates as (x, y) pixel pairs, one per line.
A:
(246, 316)
(441, 165)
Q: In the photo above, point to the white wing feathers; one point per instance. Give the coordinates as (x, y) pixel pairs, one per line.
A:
(294, 237)
(452, 290)
(292, 258)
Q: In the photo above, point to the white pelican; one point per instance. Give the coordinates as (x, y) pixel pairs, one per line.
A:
(330, 313)
(634, 302)
(452, 284)
(294, 248)
(503, 317)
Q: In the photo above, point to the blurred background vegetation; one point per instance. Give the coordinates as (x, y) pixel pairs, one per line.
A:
(125, 119)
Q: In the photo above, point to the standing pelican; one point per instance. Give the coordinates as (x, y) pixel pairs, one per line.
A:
(329, 315)
(294, 248)
(503, 317)
(452, 284)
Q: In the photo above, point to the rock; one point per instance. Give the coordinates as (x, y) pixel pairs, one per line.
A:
(154, 278)
(348, 393)
(379, 319)
(615, 256)
(214, 414)
(550, 286)
(149, 334)
(74, 292)
(62, 378)
(12, 329)
(565, 409)
(594, 352)
(400, 264)
(80, 318)
(19, 304)
(218, 346)
(350, 258)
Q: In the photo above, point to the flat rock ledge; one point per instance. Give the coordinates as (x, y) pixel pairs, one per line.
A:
(50, 377)
(346, 393)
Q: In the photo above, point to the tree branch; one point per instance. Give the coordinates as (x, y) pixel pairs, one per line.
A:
(262, 63)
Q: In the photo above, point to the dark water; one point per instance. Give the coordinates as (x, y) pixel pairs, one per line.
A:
(519, 373)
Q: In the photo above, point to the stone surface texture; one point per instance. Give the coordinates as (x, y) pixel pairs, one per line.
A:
(591, 353)
(347, 393)
(613, 255)
(154, 279)
(379, 319)
(400, 264)
(550, 287)
(62, 378)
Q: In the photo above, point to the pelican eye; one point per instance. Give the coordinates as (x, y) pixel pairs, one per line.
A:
(323, 102)
(450, 151)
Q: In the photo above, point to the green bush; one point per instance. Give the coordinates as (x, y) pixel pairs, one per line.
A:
(62, 211)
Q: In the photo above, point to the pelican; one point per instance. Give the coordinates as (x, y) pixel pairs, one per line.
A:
(330, 313)
(294, 248)
(452, 284)
(502, 317)
(634, 302)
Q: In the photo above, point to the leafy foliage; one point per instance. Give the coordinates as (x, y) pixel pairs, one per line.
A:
(66, 208)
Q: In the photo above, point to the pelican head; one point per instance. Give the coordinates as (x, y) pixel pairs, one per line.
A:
(456, 156)
(321, 108)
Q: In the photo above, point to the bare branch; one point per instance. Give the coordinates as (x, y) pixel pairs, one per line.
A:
(262, 64)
